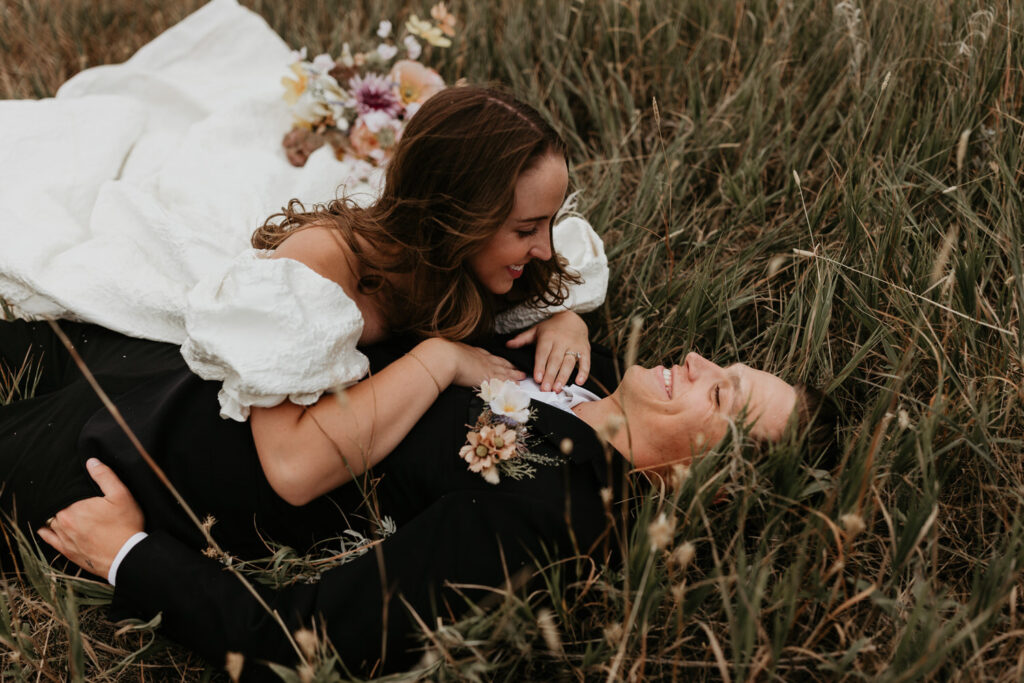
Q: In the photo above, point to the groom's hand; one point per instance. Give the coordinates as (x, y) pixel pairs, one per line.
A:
(92, 531)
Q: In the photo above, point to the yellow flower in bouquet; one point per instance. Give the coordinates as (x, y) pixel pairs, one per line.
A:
(294, 87)
(427, 31)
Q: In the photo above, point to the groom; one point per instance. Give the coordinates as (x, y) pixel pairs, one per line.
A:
(452, 527)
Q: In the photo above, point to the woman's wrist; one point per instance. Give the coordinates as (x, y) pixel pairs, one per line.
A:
(435, 357)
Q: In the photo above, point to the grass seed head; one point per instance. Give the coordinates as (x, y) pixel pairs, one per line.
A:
(549, 631)
(853, 524)
(233, 663)
(613, 633)
(308, 643)
(660, 531)
(683, 555)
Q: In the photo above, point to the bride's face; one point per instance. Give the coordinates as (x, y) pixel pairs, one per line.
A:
(526, 233)
(674, 413)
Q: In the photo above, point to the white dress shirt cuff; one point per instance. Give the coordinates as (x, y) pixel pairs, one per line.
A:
(125, 549)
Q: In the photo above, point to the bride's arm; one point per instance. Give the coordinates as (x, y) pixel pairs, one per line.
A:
(308, 451)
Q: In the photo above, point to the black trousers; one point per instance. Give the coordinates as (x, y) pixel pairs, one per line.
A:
(38, 435)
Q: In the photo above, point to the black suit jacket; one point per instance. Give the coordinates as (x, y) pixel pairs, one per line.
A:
(452, 528)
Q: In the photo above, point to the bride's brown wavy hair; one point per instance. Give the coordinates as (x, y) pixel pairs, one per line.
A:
(448, 188)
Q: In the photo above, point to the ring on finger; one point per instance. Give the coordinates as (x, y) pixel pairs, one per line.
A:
(49, 522)
(577, 354)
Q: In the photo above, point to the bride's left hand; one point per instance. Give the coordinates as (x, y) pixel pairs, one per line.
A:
(562, 341)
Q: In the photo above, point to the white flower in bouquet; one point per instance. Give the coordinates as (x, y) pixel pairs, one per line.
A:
(323, 64)
(387, 52)
(346, 59)
(412, 47)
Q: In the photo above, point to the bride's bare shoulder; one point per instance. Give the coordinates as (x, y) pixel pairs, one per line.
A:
(323, 250)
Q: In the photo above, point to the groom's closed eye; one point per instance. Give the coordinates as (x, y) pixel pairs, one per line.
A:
(732, 393)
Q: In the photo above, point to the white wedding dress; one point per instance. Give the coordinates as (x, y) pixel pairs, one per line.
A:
(128, 200)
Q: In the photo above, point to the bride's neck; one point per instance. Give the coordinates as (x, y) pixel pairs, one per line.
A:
(369, 253)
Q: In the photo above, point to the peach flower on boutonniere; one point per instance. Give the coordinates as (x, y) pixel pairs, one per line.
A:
(487, 447)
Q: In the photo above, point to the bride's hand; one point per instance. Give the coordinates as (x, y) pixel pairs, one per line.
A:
(562, 343)
(473, 365)
(92, 531)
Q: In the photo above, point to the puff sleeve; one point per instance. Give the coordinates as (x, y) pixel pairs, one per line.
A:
(575, 239)
(271, 329)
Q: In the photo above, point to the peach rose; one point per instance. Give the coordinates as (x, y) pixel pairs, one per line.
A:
(364, 142)
(374, 136)
(415, 82)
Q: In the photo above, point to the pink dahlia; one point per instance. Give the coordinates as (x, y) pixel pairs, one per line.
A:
(374, 93)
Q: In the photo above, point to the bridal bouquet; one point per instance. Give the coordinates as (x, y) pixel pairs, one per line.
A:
(360, 102)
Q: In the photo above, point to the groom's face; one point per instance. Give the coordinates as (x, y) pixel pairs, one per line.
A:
(678, 412)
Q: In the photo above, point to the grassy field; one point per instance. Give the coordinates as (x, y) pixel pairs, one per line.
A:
(832, 191)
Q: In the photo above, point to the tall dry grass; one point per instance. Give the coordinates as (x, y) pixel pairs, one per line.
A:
(831, 190)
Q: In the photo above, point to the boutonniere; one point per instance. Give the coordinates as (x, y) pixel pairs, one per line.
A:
(498, 443)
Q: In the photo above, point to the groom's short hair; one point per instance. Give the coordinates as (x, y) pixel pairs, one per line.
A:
(817, 417)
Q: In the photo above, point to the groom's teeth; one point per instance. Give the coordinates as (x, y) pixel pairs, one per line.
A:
(667, 374)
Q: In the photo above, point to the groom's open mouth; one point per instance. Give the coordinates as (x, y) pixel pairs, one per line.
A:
(664, 376)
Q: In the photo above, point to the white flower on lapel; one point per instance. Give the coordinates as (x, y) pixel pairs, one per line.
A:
(505, 398)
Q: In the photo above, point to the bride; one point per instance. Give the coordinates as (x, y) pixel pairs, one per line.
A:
(460, 236)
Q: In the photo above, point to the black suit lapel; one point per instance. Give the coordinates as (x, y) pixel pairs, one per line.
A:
(553, 425)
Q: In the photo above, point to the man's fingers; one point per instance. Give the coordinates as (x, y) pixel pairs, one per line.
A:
(105, 478)
(51, 537)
